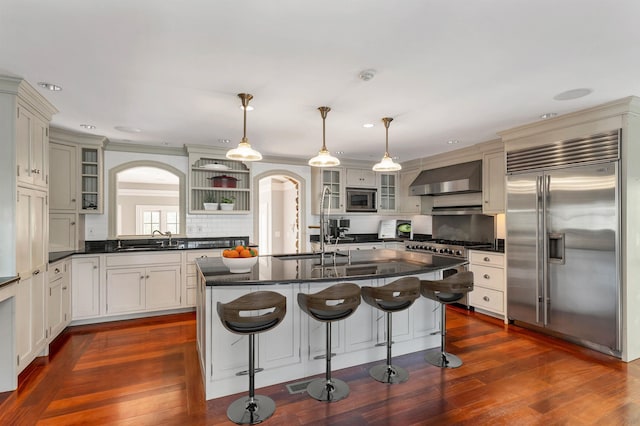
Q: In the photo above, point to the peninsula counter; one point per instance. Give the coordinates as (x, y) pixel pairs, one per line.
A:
(295, 348)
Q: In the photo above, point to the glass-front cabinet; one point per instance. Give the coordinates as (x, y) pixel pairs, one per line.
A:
(217, 185)
(333, 179)
(387, 183)
(90, 180)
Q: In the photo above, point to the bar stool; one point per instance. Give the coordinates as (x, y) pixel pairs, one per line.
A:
(322, 306)
(393, 297)
(256, 408)
(446, 291)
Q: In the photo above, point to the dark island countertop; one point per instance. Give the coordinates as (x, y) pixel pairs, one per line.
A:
(361, 265)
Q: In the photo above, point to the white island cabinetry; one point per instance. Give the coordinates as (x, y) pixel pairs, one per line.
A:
(295, 348)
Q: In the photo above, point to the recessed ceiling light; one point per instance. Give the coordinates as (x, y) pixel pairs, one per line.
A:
(367, 125)
(572, 94)
(339, 152)
(366, 75)
(548, 115)
(88, 126)
(128, 129)
(452, 142)
(50, 86)
(224, 140)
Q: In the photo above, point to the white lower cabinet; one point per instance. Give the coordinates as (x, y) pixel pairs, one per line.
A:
(59, 298)
(31, 327)
(85, 287)
(488, 282)
(142, 282)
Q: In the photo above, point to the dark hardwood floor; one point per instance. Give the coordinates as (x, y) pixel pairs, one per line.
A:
(145, 372)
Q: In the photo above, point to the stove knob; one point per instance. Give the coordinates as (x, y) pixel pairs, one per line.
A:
(458, 253)
(433, 249)
(443, 250)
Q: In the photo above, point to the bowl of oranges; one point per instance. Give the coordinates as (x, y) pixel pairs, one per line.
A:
(240, 259)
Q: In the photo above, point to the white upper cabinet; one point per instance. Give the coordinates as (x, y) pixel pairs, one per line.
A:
(409, 203)
(63, 182)
(32, 139)
(493, 183)
(361, 178)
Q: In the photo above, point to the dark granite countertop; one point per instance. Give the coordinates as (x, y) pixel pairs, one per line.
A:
(8, 280)
(362, 265)
(490, 249)
(152, 245)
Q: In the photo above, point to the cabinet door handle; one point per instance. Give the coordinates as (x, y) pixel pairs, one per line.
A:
(95, 266)
(64, 288)
(72, 223)
(487, 259)
(486, 298)
(57, 270)
(36, 272)
(142, 277)
(486, 276)
(73, 200)
(147, 277)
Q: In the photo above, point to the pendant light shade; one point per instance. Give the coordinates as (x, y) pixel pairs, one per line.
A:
(324, 157)
(244, 152)
(387, 164)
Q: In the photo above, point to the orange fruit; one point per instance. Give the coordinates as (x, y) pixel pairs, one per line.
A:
(254, 252)
(225, 253)
(245, 253)
(233, 253)
(239, 248)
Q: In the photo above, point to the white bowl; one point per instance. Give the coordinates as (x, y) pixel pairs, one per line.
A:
(239, 265)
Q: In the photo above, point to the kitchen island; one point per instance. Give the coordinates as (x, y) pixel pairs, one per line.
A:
(295, 348)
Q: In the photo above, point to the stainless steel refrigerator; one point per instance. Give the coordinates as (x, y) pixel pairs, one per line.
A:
(563, 265)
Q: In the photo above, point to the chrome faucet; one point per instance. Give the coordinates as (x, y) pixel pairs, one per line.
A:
(323, 232)
(166, 234)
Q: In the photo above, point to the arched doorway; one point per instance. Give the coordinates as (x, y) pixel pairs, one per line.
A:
(278, 223)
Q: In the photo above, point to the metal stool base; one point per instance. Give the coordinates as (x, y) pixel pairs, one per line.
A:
(320, 390)
(389, 374)
(240, 413)
(442, 359)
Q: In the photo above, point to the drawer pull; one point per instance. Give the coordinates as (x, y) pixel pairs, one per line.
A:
(57, 270)
(487, 259)
(36, 272)
(486, 276)
(486, 298)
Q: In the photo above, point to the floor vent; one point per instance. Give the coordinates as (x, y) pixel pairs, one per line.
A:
(298, 387)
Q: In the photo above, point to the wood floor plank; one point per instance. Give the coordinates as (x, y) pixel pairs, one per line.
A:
(147, 372)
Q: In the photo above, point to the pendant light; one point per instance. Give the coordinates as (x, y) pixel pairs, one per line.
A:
(244, 152)
(324, 157)
(386, 164)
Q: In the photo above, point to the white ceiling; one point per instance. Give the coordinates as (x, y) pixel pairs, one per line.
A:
(456, 69)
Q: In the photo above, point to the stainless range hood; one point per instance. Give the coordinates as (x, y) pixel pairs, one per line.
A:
(457, 179)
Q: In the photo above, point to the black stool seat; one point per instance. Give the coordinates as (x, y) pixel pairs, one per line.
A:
(255, 408)
(331, 304)
(446, 291)
(393, 297)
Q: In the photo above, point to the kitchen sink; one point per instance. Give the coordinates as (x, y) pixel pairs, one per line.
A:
(298, 256)
(146, 247)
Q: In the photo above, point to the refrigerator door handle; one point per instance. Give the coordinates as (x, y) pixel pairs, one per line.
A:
(556, 248)
(540, 250)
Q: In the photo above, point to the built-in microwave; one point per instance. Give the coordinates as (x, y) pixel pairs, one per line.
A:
(361, 200)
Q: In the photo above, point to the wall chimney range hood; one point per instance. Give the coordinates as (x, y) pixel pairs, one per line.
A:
(456, 179)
